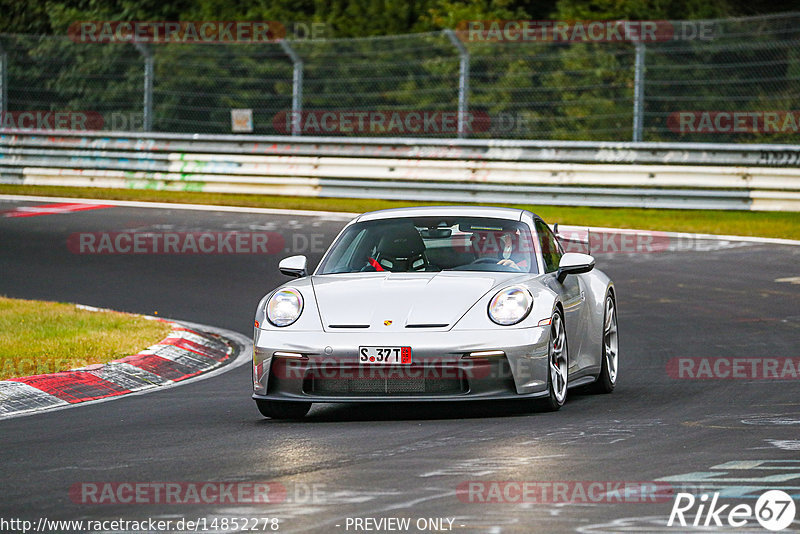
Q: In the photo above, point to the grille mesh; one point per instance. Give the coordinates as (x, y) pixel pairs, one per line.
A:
(325, 384)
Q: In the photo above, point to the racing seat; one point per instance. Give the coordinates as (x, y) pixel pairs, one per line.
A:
(401, 250)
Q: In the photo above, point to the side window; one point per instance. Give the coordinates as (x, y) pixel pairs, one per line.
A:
(551, 252)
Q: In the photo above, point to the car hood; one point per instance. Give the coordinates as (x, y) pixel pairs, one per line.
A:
(435, 300)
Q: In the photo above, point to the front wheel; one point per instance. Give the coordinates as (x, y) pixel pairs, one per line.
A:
(607, 379)
(557, 366)
(283, 410)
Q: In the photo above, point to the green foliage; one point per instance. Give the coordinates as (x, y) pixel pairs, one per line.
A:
(535, 90)
(642, 9)
(363, 18)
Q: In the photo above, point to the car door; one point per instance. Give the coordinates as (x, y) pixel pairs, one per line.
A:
(571, 291)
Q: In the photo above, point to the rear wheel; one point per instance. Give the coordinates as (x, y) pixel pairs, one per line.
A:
(557, 366)
(607, 379)
(283, 410)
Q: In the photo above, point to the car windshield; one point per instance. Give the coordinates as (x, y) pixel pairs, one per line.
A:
(432, 244)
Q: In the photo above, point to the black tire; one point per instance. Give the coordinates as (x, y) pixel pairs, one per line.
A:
(606, 380)
(553, 402)
(283, 410)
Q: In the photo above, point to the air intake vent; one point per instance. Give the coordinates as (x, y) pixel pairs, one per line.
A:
(335, 386)
(348, 326)
(427, 325)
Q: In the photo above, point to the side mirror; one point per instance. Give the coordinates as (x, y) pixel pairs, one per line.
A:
(574, 263)
(294, 266)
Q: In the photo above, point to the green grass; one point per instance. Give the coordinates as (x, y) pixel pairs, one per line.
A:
(46, 337)
(763, 224)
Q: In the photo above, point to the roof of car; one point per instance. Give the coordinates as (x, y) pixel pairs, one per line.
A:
(432, 211)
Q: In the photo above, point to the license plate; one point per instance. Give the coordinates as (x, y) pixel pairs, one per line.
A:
(384, 355)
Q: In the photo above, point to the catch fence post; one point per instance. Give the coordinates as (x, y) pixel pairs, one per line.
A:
(463, 81)
(147, 111)
(297, 86)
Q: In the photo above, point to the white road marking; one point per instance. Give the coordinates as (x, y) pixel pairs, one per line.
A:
(337, 215)
(785, 444)
(478, 467)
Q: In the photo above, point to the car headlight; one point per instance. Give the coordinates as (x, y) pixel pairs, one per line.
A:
(510, 306)
(284, 307)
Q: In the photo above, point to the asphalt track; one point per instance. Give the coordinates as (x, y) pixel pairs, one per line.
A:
(714, 299)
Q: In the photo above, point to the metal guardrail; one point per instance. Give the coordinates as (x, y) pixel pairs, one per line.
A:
(665, 175)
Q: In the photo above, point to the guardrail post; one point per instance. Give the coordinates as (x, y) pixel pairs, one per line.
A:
(3, 81)
(297, 86)
(147, 111)
(463, 81)
(638, 92)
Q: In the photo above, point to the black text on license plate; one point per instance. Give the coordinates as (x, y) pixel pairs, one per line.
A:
(384, 355)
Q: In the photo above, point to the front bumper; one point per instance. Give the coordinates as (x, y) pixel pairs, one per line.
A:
(329, 371)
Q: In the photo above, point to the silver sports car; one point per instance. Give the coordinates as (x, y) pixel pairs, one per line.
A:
(436, 303)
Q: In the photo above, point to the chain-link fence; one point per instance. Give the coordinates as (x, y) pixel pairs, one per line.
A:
(732, 80)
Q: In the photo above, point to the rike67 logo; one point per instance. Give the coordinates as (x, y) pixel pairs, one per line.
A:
(774, 510)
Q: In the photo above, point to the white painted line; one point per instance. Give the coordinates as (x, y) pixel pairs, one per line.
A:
(93, 309)
(687, 235)
(338, 215)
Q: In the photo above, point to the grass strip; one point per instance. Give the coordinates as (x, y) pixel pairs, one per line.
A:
(39, 337)
(747, 223)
